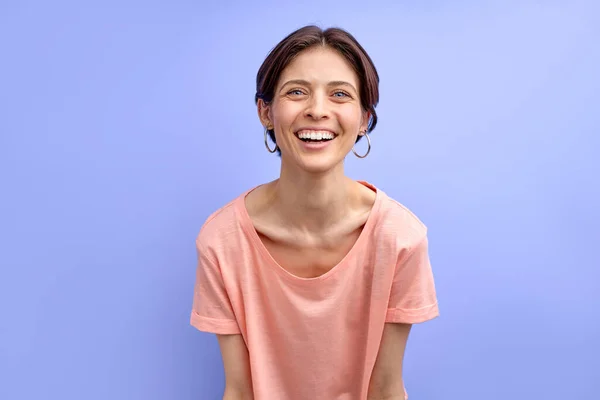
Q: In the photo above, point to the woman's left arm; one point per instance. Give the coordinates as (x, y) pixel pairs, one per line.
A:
(386, 380)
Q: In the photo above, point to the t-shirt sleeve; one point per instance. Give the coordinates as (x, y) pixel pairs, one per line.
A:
(413, 296)
(211, 310)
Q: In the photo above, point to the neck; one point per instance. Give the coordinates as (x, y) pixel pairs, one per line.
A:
(312, 202)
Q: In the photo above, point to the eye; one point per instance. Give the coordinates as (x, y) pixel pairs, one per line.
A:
(340, 94)
(295, 92)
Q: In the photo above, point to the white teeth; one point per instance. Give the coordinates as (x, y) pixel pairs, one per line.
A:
(315, 135)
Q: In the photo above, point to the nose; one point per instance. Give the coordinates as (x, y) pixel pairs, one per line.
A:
(316, 107)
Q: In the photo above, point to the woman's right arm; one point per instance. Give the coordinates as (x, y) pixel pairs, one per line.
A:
(238, 382)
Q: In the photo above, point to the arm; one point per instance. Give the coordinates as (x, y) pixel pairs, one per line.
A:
(386, 380)
(238, 382)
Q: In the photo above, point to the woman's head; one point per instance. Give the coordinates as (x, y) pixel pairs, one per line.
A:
(317, 84)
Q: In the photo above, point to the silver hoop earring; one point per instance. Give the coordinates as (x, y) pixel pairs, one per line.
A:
(267, 142)
(368, 149)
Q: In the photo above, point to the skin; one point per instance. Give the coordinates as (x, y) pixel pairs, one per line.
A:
(324, 210)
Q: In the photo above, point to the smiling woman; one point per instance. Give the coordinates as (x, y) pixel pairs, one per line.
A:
(312, 281)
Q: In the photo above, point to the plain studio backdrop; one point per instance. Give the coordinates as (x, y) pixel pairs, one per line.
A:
(125, 124)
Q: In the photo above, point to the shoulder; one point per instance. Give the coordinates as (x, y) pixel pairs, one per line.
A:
(221, 226)
(398, 224)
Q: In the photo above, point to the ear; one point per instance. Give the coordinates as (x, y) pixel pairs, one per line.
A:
(264, 113)
(364, 125)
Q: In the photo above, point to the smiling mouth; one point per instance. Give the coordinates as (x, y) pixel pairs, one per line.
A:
(315, 136)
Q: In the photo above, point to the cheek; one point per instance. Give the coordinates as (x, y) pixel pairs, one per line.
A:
(284, 115)
(351, 117)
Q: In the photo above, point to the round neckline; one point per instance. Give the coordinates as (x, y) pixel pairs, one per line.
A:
(250, 230)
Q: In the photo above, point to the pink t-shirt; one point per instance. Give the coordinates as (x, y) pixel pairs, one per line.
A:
(313, 338)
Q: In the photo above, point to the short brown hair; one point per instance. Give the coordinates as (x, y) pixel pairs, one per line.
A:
(309, 36)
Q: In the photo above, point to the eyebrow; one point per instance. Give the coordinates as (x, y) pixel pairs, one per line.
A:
(306, 83)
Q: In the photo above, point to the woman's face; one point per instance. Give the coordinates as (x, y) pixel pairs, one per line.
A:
(316, 111)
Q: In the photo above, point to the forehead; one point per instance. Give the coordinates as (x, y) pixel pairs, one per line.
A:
(320, 65)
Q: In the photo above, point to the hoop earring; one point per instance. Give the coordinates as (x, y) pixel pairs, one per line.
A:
(267, 142)
(368, 149)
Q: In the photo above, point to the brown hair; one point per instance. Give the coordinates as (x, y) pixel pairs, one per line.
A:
(310, 36)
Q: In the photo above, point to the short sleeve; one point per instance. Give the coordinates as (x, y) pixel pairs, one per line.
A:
(413, 296)
(211, 309)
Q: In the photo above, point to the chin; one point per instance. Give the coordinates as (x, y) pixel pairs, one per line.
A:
(317, 164)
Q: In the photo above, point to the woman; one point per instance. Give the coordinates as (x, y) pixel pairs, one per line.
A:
(312, 282)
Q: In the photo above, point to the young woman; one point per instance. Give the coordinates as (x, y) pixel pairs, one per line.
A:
(312, 282)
